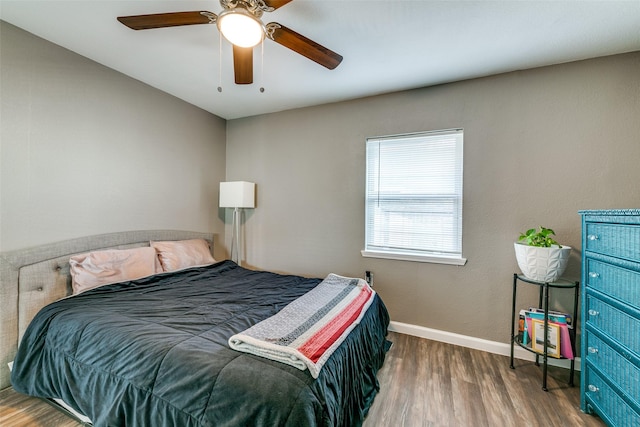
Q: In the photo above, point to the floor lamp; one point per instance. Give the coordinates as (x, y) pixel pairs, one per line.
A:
(237, 195)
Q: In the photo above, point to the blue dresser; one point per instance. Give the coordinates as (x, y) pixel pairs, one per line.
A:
(610, 350)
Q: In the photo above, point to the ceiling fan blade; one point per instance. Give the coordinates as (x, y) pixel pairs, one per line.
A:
(302, 45)
(161, 20)
(276, 3)
(243, 64)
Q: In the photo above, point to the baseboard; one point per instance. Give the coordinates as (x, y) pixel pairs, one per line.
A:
(494, 347)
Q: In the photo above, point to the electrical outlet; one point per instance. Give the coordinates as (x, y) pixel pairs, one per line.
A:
(368, 277)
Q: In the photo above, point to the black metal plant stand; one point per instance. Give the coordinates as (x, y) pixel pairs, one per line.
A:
(543, 303)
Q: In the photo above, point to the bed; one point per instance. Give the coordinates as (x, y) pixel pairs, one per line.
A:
(155, 351)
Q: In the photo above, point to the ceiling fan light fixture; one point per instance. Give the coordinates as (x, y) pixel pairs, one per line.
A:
(240, 27)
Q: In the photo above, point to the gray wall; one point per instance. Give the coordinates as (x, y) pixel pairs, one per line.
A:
(86, 150)
(539, 146)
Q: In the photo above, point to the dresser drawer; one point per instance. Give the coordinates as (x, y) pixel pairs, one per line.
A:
(619, 369)
(621, 326)
(616, 240)
(615, 281)
(607, 402)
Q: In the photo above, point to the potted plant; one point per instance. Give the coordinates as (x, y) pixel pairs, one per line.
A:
(539, 256)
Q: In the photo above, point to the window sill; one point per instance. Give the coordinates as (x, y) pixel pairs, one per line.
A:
(416, 258)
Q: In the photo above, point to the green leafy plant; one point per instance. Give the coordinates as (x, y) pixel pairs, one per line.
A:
(540, 238)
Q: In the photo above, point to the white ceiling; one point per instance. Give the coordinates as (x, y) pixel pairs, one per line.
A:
(387, 45)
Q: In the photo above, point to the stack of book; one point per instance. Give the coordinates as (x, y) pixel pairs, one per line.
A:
(531, 332)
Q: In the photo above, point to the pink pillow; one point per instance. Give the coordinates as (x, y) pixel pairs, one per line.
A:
(176, 255)
(99, 268)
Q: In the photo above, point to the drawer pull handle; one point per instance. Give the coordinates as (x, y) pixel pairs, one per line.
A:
(594, 275)
(593, 388)
(592, 237)
(593, 312)
(593, 350)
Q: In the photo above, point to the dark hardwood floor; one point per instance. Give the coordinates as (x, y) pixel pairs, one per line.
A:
(423, 383)
(429, 383)
(18, 410)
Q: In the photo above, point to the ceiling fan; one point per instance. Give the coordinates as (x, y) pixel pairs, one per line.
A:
(240, 24)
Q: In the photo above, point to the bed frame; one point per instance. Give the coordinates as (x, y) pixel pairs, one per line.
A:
(32, 278)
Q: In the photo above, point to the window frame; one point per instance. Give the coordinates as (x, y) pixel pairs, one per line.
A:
(421, 255)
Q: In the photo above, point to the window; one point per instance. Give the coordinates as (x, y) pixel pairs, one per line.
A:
(414, 197)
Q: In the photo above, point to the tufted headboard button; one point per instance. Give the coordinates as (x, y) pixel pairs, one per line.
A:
(40, 289)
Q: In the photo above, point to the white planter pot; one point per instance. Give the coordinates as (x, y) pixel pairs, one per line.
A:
(542, 264)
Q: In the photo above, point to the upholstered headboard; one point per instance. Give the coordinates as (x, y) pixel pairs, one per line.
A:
(32, 278)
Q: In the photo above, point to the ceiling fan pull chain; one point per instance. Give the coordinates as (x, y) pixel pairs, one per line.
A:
(262, 68)
(220, 63)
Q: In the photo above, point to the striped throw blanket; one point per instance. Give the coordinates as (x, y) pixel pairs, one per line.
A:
(307, 331)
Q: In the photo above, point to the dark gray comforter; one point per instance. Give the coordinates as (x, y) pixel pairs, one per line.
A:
(154, 352)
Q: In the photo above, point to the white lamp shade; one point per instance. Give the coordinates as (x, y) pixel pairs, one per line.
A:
(237, 194)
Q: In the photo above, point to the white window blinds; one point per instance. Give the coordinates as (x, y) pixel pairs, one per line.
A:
(414, 197)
